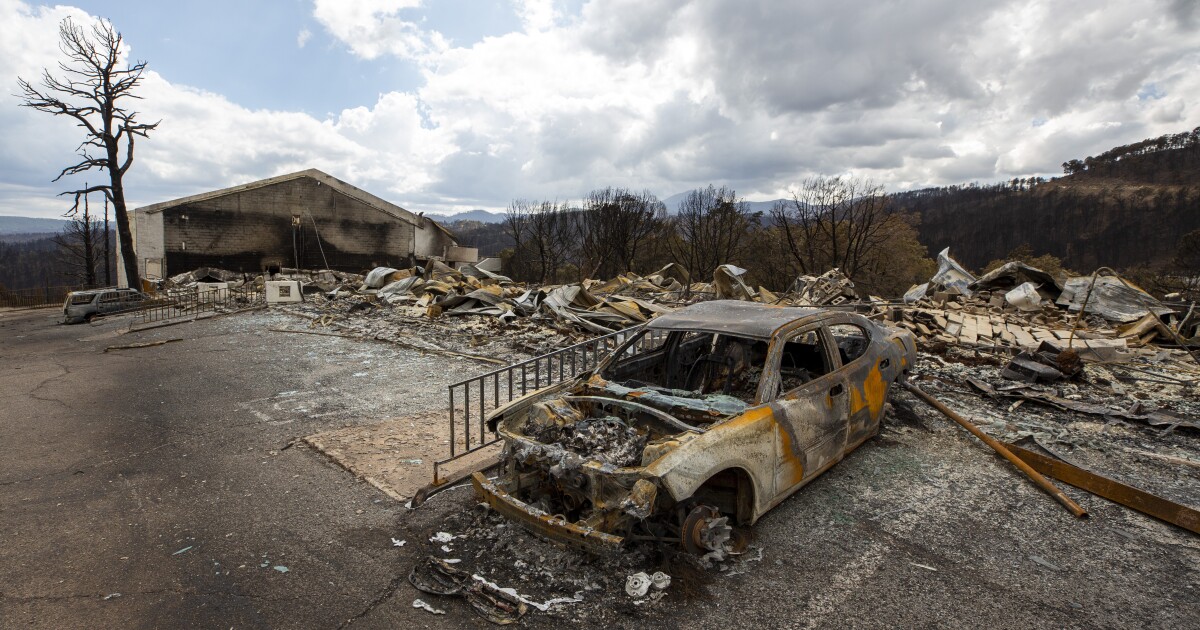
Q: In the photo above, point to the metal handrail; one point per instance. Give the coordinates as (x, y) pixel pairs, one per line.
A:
(503, 385)
(189, 302)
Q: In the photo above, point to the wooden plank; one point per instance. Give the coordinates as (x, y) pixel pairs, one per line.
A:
(1024, 339)
(1041, 334)
(983, 328)
(954, 325)
(970, 330)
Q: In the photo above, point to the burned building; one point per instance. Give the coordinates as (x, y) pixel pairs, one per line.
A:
(307, 220)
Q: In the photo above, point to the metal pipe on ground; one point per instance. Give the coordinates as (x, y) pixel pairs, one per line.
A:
(999, 447)
(1174, 513)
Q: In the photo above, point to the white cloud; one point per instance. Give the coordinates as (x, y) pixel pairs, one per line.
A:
(667, 95)
(302, 37)
(372, 28)
(537, 15)
(204, 140)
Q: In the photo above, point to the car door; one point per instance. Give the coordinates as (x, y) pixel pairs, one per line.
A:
(863, 369)
(109, 301)
(812, 408)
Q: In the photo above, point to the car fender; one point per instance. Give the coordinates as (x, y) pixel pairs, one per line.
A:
(746, 442)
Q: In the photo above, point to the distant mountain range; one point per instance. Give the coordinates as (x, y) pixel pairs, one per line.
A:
(764, 207)
(672, 204)
(30, 225)
(482, 216)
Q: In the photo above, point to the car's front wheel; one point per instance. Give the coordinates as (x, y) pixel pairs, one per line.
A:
(705, 530)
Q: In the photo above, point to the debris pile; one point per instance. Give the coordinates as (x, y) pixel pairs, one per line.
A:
(1101, 316)
(828, 289)
(502, 572)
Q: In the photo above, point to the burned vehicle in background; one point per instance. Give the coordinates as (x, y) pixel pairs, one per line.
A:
(86, 305)
(706, 418)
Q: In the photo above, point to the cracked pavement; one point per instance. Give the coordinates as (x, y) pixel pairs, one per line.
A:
(155, 487)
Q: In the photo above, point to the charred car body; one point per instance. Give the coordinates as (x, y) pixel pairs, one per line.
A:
(709, 416)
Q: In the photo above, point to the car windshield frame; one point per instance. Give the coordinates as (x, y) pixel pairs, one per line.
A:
(673, 338)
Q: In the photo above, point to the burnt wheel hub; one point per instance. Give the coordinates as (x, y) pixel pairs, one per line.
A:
(705, 530)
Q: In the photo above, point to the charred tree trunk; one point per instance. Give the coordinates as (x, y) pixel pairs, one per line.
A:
(92, 90)
(107, 250)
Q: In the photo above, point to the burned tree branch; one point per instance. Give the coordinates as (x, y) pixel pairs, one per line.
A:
(91, 90)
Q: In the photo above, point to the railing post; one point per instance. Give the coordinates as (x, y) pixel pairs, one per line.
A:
(482, 413)
(467, 415)
(453, 442)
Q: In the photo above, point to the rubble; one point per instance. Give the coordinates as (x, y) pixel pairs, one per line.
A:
(828, 289)
(1013, 308)
(1046, 365)
(1111, 297)
(496, 548)
(1136, 409)
(1017, 307)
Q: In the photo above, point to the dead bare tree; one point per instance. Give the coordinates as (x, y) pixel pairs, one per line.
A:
(711, 227)
(833, 222)
(613, 227)
(94, 85)
(516, 224)
(80, 249)
(542, 234)
(107, 248)
(550, 236)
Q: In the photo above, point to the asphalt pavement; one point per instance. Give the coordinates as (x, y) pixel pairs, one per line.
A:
(165, 487)
(155, 487)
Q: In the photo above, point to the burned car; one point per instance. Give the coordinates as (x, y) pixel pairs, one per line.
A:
(707, 417)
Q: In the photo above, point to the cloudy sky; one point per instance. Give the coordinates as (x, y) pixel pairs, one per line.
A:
(449, 105)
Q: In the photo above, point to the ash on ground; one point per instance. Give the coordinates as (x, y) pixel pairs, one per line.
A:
(578, 586)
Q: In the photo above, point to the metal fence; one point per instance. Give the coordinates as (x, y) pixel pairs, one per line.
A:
(36, 297)
(472, 399)
(177, 303)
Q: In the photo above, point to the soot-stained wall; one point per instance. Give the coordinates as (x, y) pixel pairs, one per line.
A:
(251, 229)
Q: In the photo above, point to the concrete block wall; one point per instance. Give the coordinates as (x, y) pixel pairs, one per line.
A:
(248, 230)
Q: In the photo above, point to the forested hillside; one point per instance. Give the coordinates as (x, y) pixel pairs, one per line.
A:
(28, 261)
(1126, 207)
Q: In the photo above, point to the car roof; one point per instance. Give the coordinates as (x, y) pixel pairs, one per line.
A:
(734, 317)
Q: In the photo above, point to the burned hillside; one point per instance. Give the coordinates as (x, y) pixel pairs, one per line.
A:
(1124, 208)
